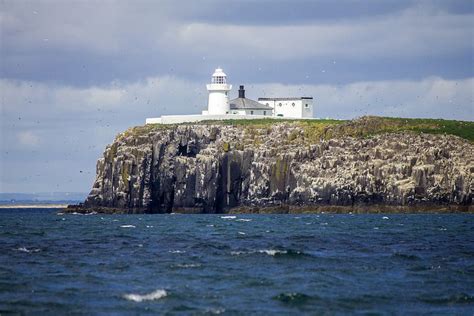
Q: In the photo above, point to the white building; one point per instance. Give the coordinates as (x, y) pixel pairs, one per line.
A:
(220, 108)
(290, 107)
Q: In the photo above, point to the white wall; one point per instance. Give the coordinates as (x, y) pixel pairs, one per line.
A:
(176, 119)
(252, 112)
(218, 102)
(307, 111)
(285, 108)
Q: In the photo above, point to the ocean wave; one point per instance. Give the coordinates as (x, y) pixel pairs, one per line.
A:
(228, 217)
(273, 252)
(243, 220)
(215, 311)
(177, 251)
(242, 233)
(270, 252)
(127, 226)
(155, 295)
(187, 265)
(24, 249)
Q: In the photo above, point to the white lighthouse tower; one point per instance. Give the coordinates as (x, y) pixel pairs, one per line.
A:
(218, 103)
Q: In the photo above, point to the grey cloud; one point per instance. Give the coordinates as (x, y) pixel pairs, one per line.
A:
(91, 43)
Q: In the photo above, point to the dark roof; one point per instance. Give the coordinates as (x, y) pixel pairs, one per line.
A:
(285, 99)
(244, 104)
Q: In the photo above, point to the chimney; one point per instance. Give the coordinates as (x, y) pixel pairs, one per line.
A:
(241, 92)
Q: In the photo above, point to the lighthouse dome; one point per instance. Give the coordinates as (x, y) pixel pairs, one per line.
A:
(219, 76)
(219, 73)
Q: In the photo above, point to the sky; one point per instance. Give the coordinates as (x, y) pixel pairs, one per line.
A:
(73, 74)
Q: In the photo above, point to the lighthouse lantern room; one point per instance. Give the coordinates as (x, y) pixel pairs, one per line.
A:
(218, 103)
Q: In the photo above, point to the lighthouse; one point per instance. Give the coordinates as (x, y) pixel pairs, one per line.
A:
(218, 103)
(219, 107)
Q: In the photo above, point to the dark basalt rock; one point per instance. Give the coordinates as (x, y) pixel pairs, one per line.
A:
(219, 168)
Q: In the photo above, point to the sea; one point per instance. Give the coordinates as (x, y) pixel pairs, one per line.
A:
(329, 264)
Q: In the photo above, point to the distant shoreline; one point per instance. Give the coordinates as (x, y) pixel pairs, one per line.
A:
(10, 206)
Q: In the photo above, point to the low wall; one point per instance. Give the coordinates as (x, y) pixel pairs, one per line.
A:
(176, 119)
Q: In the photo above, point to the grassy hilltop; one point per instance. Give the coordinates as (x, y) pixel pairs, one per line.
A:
(326, 128)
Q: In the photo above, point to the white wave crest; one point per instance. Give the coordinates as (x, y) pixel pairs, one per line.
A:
(385, 217)
(228, 217)
(177, 251)
(243, 220)
(24, 249)
(188, 265)
(242, 233)
(127, 226)
(155, 295)
(238, 253)
(270, 252)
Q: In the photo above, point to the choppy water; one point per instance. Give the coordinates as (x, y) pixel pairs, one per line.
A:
(259, 264)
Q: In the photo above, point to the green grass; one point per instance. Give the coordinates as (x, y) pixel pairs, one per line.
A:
(315, 130)
(268, 122)
(464, 129)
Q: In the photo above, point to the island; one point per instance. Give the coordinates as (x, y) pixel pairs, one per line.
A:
(369, 164)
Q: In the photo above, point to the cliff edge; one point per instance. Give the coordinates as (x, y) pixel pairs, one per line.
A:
(368, 164)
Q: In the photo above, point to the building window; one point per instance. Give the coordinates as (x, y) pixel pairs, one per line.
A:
(293, 103)
(251, 112)
(264, 112)
(306, 105)
(279, 104)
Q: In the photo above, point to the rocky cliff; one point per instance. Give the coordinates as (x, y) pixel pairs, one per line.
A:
(285, 166)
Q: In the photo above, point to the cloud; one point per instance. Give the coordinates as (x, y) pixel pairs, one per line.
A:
(53, 42)
(28, 139)
(410, 34)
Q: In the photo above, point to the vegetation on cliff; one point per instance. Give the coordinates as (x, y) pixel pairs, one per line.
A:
(315, 130)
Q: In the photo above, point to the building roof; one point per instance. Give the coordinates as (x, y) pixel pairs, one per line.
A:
(285, 99)
(247, 104)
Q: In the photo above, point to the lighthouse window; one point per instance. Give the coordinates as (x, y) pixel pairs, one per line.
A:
(251, 112)
(279, 104)
(218, 80)
(264, 112)
(293, 103)
(306, 106)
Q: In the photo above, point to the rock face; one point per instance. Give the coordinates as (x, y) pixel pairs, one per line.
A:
(217, 168)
